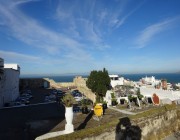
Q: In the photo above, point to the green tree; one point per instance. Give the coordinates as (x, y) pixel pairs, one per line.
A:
(98, 82)
(140, 96)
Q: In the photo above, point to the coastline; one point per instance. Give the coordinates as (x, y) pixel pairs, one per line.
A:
(171, 77)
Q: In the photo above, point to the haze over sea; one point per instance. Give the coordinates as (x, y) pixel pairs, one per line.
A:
(170, 77)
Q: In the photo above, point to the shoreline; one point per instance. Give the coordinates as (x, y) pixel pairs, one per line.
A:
(171, 78)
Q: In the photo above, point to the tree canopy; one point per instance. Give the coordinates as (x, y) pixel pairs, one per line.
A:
(98, 82)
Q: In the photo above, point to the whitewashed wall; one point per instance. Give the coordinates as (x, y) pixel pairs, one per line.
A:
(120, 81)
(9, 86)
(163, 94)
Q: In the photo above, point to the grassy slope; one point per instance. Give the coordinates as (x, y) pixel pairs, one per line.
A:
(111, 125)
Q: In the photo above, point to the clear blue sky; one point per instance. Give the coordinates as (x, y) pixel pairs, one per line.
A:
(77, 36)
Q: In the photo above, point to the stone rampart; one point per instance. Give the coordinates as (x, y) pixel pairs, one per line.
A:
(66, 84)
(159, 126)
(34, 82)
(52, 83)
(80, 83)
(154, 127)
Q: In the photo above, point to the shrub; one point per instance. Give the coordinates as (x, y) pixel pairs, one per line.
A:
(68, 100)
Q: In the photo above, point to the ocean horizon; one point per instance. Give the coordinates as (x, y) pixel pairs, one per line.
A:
(170, 77)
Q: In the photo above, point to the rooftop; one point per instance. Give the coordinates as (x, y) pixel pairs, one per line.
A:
(12, 66)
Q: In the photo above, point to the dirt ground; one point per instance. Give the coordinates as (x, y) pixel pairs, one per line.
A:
(84, 121)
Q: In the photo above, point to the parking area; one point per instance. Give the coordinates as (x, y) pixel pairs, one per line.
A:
(39, 116)
(16, 121)
(39, 95)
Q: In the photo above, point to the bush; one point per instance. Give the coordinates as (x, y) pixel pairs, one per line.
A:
(68, 100)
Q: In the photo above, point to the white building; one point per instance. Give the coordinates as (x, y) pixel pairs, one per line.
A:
(9, 82)
(178, 85)
(165, 96)
(150, 81)
(116, 80)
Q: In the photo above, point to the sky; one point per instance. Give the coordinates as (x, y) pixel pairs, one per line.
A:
(78, 36)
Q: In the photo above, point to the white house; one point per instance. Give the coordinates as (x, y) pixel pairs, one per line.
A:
(116, 80)
(150, 81)
(9, 82)
(178, 85)
(164, 95)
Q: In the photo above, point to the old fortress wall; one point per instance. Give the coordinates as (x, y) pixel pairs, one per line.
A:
(154, 127)
(79, 82)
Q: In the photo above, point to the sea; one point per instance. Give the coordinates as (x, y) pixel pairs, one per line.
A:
(170, 77)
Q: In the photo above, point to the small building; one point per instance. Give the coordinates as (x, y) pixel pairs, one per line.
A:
(178, 85)
(116, 80)
(9, 82)
(150, 81)
(165, 96)
(164, 84)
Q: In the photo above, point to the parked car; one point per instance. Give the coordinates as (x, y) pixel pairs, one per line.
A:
(24, 97)
(52, 97)
(77, 98)
(24, 101)
(60, 94)
(75, 91)
(21, 98)
(29, 91)
(27, 95)
(75, 94)
(47, 99)
(18, 104)
(59, 91)
(54, 91)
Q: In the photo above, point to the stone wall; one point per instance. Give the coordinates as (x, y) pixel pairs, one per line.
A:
(159, 126)
(34, 82)
(66, 84)
(88, 93)
(52, 83)
(155, 127)
(80, 83)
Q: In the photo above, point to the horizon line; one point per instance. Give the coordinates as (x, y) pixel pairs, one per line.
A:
(79, 74)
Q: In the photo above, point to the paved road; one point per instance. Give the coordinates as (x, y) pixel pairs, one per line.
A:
(122, 111)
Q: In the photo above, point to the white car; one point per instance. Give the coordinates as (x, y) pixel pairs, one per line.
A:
(77, 98)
